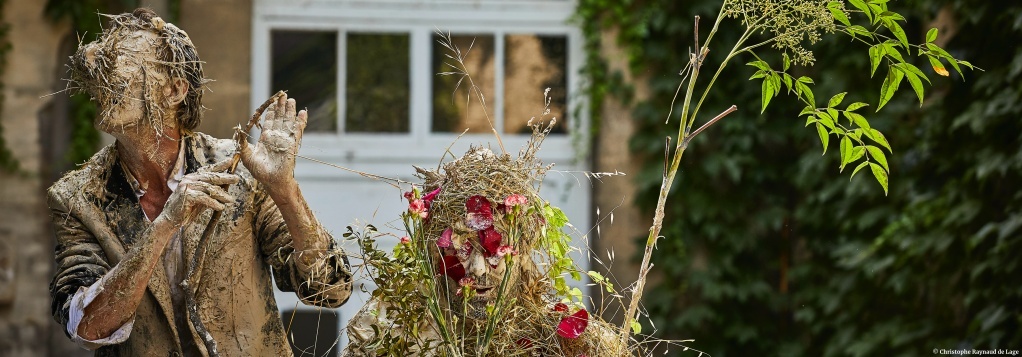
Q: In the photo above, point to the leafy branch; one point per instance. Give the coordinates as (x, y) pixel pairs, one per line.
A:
(790, 23)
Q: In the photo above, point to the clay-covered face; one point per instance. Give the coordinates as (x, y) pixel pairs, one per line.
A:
(482, 271)
(125, 75)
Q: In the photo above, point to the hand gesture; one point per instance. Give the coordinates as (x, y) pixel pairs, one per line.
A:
(272, 160)
(196, 192)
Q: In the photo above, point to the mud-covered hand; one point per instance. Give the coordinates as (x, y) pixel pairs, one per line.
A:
(272, 160)
(195, 193)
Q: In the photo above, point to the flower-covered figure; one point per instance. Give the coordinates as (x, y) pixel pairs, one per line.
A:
(473, 280)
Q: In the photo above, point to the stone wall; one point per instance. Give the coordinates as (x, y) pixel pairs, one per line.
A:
(222, 32)
(616, 195)
(26, 242)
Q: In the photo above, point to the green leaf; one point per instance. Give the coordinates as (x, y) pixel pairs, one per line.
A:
(910, 68)
(859, 4)
(891, 16)
(879, 138)
(890, 86)
(836, 99)
(806, 80)
(878, 156)
(856, 134)
(857, 153)
(826, 120)
(759, 64)
(846, 151)
(787, 81)
(833, 114)
(931, 35)
(876, 53)
(758, 74)
(859, 30)
(856, 106)
(937, 50)
(947, 56)
(807, 110)
(917, 85)
(876, 10)
(824, 137)
(937, 66)
(787, 61)
(858, 119)
(891, 49)
(880, 175)
(803, 89)
(636, 327)
(768, 93)
(967, 64)
(838, 12)
(857, 168)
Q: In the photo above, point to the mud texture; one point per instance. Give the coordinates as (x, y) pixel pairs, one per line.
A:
(98, 218)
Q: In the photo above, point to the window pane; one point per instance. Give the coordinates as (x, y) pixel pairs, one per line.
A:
(377, 88)
(534, 63)
(452, 112)
(304, 63)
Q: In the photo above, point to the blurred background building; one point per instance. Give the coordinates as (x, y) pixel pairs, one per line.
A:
(768, 250)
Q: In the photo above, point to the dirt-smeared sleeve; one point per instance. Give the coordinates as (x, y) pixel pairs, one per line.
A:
(80, 259)
(326, 282)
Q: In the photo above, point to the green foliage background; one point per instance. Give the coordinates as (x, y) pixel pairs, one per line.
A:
(8, 163)
(778, 254)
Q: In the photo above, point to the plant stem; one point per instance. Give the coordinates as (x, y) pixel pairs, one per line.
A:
(720, 116)
(668, 177)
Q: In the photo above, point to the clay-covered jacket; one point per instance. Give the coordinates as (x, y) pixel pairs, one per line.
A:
(97, 218)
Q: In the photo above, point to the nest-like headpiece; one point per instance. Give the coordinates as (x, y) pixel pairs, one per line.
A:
(173, 55)
(480, 172)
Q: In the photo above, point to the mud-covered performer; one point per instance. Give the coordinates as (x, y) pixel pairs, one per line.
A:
(129, 221)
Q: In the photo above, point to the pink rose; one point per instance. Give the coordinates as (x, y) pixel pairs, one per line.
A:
(418, 207)
(515, 200)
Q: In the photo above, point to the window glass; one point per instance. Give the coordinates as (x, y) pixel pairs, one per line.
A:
(377, 90)
(304, 64)
(534, 63)
(453, 109)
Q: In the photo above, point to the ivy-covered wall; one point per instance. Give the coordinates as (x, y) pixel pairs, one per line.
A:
(7, 161)
(769, 251)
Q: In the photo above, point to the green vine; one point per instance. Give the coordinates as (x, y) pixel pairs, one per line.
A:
(8, 162)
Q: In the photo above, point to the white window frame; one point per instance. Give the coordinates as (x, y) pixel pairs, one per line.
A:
(420, 19)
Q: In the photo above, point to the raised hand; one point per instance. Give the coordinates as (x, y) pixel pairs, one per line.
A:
(272, 160)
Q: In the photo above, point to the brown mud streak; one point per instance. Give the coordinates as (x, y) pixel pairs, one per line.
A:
(195, 268)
